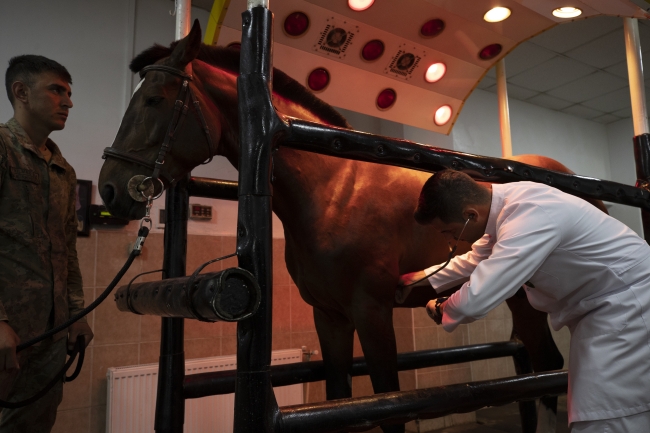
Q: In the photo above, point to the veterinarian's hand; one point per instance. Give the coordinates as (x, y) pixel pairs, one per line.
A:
(77, 329)
(436, 308)
(8, 342)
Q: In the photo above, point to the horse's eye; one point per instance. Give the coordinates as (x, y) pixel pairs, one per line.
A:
(154, 100)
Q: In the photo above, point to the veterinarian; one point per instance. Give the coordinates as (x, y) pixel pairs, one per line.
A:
(587, 270)
(40, 280)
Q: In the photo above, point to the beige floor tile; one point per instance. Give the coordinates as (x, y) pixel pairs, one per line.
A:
(98, 419)
(403, 318)
(149, 352)
(202, 348)
(113, 248)
(302, 314)
(281, 308)
(112, 326)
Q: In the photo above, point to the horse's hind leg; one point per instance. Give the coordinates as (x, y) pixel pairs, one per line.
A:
(531, 327)
(336, 336)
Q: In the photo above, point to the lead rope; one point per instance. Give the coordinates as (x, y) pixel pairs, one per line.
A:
(80, 346)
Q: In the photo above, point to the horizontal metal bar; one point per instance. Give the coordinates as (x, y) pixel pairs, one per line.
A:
(346, 143)
(223, 382)
(403, 406)
(213, 188)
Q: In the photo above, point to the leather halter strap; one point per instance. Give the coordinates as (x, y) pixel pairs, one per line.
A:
(185, 94)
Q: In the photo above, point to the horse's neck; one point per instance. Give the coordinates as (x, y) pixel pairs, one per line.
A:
(299, 177)
(305, 181)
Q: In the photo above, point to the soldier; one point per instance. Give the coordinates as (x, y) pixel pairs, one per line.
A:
(40, 280)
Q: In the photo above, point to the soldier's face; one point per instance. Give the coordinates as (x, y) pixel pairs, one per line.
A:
(49, 100)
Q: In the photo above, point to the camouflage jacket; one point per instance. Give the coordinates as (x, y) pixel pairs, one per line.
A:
(40, 280)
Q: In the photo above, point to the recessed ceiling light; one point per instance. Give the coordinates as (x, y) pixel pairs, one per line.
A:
(318, 79)
(432, 28)
(442, 116)
(490, 51)
(435, 72)
(372, 50)
(360, 5)
(296, 24)
(386, 99)
(496, 14)
(567, 12)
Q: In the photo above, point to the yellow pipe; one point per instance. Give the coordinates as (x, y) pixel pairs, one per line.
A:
(217, 14)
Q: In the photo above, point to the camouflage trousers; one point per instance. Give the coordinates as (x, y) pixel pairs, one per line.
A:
(38, 365)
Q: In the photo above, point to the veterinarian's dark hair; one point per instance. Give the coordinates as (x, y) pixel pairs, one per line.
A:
(24, 68)
(445, 194)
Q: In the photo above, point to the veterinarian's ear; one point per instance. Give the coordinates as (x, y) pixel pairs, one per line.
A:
(188, 48)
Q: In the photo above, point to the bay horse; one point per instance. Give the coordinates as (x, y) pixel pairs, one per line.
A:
(348, 225)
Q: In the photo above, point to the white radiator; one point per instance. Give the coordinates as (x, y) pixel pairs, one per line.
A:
(132, 396)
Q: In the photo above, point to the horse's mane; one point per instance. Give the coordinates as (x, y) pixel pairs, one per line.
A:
(228, 59)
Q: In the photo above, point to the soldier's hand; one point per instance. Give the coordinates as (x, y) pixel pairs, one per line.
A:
(77, 329)
(8, 342)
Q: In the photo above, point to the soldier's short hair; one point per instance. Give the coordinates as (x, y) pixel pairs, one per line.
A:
(445, 194)
(24, 68)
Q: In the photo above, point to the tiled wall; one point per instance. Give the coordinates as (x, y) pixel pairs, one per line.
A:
(126, 339)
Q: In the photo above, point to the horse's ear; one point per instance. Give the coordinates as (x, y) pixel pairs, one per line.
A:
(187, 48)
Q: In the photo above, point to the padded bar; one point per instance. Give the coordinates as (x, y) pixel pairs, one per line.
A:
(223, 382)
(349, 144)
(404, 406)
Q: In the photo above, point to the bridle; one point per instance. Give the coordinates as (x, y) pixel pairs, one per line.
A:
(185, 95)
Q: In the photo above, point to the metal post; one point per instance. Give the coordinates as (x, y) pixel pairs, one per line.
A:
(170, 403)
(183, 11)
(255, 404)
(504, 111)
(639, 112)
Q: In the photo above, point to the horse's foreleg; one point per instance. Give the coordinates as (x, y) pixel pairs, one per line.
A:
(531, 327)
(374, 323)
(336, 336)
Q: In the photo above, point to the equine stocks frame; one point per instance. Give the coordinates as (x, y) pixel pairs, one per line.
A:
(261, 130)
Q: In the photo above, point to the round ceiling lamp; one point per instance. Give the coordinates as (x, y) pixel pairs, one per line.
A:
(296, 24)
(318, 79)
(372, 50)
(567, 12)
(497, 14)
(386, 99)
(442, 116)
(360, 5)
(432, 28)
(435, 72)
(490, 52)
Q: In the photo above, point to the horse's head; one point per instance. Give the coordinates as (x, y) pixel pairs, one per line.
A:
(164, 132)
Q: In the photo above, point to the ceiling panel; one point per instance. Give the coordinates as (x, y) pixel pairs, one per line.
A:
(552, 73)
(611, 102)
(526, 56)
(567, 36)
(582, 111)
(589, 87)
(606, 118)
(520, 93)
(547, 101)
(601, 52)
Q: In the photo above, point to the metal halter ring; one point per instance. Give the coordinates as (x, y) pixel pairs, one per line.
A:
(162, 188)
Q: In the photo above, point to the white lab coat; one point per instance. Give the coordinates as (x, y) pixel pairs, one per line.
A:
(589, 271)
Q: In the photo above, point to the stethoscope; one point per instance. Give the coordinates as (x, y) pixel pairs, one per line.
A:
(452, 251)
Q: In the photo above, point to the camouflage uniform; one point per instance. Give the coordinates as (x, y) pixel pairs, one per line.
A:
(40, 280)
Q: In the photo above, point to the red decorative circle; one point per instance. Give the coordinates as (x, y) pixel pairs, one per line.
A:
(386, 99)
(372, 50)
(318, 79)
(432, 28)
(296, 24)
(490, 52)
